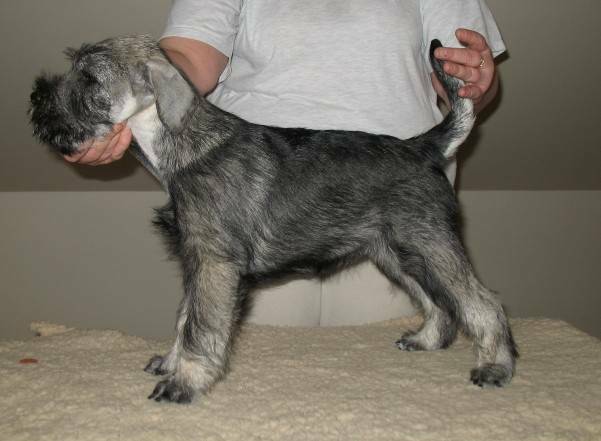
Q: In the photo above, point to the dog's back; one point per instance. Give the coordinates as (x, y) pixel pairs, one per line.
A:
(332, 191)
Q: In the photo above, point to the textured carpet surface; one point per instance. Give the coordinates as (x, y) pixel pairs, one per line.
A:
(344, 383)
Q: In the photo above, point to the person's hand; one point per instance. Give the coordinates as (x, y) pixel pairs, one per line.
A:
(103, 150)
(474, 64)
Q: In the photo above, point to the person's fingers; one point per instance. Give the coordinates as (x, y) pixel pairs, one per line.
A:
(467, 65)
(471, 91)
(93, 154)
(476, 42)
(122, 145)
(107, 144)
(474, 64)
(463, 56)
(107, 150)
(81, 151)
(472, 39)
(75, 157)
(466, 73)
(99, 151)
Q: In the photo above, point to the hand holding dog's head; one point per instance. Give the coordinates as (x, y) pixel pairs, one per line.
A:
(108, 83)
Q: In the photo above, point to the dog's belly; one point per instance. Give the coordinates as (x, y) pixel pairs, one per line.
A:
(316, 251)
(311, 266)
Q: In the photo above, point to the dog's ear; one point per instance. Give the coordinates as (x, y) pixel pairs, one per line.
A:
(173, 93)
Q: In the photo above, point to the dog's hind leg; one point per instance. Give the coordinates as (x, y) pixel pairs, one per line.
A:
(438, 263)
(438, 330)
(207, 319)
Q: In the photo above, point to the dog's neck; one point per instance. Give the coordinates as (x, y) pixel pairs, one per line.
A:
(165, 151)
(144, 126)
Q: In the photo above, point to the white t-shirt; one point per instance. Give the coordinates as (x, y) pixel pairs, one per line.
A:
(330, 64)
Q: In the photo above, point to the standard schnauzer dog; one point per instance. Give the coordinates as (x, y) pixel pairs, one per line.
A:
(250, 202)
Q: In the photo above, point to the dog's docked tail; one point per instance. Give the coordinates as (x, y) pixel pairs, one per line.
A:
(456, 126)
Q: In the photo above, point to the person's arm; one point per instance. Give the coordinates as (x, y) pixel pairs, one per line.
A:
(474, 64)
(200, 62)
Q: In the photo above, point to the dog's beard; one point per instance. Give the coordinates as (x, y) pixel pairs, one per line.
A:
(65, 119)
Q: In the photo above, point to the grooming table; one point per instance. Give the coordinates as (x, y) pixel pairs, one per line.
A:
(286, 383)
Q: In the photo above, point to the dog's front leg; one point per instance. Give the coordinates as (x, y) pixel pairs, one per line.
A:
(205, 326)
(163, 365)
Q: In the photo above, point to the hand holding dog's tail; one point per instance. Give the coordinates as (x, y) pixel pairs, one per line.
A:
(456, 126)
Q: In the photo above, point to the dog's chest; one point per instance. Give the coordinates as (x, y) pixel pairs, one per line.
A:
(145, 126)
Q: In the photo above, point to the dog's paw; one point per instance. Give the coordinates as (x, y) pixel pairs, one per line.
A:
(491, 375)
(172, 391)
(156, 366)
(407, 343)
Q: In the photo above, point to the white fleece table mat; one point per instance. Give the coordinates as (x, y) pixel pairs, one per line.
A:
(340, 383)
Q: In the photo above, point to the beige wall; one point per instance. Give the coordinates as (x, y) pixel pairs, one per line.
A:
(89, 259)
(542, 134)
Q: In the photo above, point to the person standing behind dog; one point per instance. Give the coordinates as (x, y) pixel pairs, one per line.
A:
(326, 64)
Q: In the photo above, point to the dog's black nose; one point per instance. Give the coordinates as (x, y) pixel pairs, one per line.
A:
(45, 115)
(44, 90)
(42, 103)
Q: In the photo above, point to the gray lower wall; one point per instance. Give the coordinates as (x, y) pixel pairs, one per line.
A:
(90, 259)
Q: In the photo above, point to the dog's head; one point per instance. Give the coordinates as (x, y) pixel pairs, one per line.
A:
(108, 83)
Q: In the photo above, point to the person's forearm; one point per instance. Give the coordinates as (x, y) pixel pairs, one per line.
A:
(201, 63)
